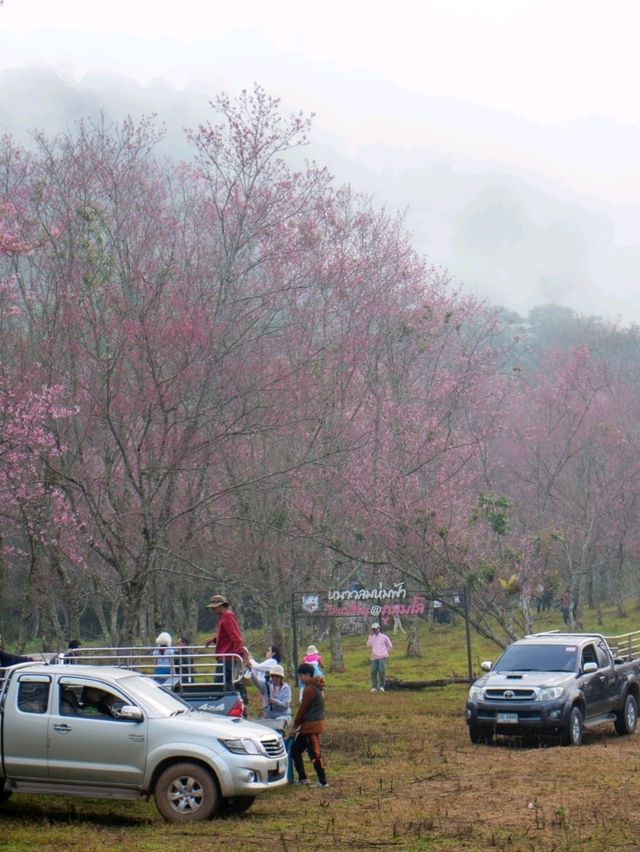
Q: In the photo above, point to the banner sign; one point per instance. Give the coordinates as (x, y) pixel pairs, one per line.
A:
(381, 603)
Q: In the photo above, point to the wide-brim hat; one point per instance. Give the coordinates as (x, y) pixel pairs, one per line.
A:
(277, 670)
(217, 600)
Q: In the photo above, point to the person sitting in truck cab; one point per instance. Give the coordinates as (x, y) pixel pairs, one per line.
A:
(69, 704)
(96, 701)
(33, 697)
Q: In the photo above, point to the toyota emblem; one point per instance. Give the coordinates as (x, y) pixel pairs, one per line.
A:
(509, 693)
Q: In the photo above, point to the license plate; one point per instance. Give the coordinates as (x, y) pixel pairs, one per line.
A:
(507, 718)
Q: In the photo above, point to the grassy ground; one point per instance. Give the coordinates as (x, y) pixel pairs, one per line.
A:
(403, 776)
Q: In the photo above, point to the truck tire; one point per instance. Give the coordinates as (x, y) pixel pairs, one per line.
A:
(236, 805)
(627, 718)
(571, 735)
(480, 735)
(186, 792)
(4, 795)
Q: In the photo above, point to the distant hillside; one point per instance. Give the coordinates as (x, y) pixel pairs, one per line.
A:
(511, 236)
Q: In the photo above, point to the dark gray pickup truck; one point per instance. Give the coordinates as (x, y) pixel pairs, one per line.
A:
(554, 683)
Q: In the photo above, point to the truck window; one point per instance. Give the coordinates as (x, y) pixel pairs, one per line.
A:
(589, 655)
(98, 703)
(69, 702)
(33, 697)
(603, 656)
(538, 658)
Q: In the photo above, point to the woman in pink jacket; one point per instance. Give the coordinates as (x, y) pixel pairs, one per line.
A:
(380, 645)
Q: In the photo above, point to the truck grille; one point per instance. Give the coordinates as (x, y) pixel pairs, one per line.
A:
(276, 774)
(508, 694)
(274, 747)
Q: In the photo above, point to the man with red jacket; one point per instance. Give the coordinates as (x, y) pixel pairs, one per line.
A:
(228, 636)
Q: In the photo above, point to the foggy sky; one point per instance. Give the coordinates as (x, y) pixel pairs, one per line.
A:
(509, 130)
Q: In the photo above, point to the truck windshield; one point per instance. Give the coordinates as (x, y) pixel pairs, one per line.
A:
(538, 658)
(160, 701)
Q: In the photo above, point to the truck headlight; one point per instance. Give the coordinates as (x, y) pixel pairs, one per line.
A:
(243, 745)
(476, 693)
(549, 693)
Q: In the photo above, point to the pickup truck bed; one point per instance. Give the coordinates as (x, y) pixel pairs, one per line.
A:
(194, 673)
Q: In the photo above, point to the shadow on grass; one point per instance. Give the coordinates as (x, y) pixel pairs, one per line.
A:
(27, 811)
(528, 742)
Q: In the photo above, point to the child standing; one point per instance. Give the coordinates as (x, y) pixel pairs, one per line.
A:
(313, 658)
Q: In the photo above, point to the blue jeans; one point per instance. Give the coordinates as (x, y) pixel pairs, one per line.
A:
(377, 673)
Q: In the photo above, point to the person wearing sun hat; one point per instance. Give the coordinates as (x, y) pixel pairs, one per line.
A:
(276, 694)
(228, 636)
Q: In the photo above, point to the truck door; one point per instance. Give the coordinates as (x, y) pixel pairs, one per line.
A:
(612, 681)
(594, 684)
(88, 743)
(26, 719)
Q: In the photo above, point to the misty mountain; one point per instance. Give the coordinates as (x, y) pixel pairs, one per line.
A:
(507, 233)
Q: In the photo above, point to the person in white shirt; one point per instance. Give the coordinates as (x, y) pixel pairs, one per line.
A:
(164, 662)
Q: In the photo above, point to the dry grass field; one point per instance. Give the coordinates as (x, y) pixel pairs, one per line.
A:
(403, 776)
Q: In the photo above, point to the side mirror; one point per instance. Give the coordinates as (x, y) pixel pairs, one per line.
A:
(130, 713)
(589, 668)
(486, 665)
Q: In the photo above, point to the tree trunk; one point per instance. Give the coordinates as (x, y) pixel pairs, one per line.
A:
(102, 621)
(133, 593)
(26, 611)
(413, 637)
(335, 639)
(70, 594)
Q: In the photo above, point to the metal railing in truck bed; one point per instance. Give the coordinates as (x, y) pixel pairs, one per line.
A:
(188, 666)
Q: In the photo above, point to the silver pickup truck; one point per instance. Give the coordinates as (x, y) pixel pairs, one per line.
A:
(106, 732)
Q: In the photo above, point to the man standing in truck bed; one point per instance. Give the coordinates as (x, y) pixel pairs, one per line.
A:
(228, 636)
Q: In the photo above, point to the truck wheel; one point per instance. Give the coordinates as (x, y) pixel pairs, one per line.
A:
(480, 735)
(186, 792)
(627, 718)
(237, 805)
(572, 733)
(4, 795)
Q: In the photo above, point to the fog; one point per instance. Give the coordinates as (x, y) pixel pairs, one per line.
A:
(511, 178)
